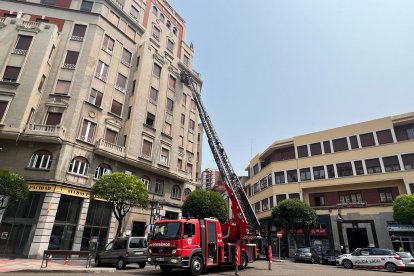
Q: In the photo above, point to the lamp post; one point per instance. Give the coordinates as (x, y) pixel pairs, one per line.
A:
(279, 236)
(156, 208)
(339, 221)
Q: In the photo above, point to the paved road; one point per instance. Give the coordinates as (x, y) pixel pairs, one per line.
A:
(285, 268)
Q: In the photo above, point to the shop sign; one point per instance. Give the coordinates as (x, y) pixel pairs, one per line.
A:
(352, 204)
(400, 227)
(313, 231)
(72, 192)
(45, 188)
(41, 188)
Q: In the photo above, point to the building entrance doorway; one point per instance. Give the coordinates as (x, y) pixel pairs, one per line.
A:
(138, 229)
(357, 238)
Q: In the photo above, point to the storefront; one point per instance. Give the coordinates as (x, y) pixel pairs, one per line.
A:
(402, 236)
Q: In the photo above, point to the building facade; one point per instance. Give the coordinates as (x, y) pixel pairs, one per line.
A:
(350, 175)
(210, 178)
(88, 88)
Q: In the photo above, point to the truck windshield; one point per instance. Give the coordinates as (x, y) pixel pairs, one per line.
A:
(167, 231)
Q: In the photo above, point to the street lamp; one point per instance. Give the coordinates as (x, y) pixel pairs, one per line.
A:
(156, 208)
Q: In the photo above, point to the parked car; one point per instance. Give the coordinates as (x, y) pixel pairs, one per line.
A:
(329, 257)
(372, 258)
(306, 254)
(123, 251)
(407, 259)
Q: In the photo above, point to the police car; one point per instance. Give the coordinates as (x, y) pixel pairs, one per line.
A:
(372, 258)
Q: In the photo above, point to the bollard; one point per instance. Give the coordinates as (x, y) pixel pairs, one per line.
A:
(269, 252)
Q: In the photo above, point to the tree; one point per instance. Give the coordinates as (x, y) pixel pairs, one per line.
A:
(204, 204)
(123, 192)
(403, 208)
(13, 187)
(293, 215)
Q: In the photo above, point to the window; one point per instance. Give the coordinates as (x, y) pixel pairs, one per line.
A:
(263, 183)
(257, 207)
(344, 169)
(153, 96)
(42, 83)
(156, 33)
(191, 126)
(294, 196)
(150, 119)
(359, 169)
(164, 156)
(41, 159)
(159, 186)
(265, 204)
(113, 18)
(11, 73)
(384, 136)
(168, 24)
(146, 149)
(181, 141)
(385, 196)
(101, 71)
(111, 136)
(319, 200)
(126, 57)
(52, 51)
(186, 60)
(176, 192)
(87, 131)
(134, 82)
(391, 163)
(154, 10)
(190, 146)
(410, 133)
(108, 44)
(350, 197)
(170, 45)
(129, 112)
(186, 193)
(147, 182)
(271, 204)
(167, 128)
(340, 144)
(193, 105)
(156, 70)
(305, 174)
(331, 171)
(53, 118)
(280, 198)
(367, 139)
(170, 105)
(184, 99)
(162, 18)
(70, 60)
(116, 108)
(302, 151)
(327, 146)
(121, 82)
(78, 32)
(23, 44)
(270, 180)
(408, 161)
(292, 176)
(373, 166)
(134, 13)
(62, 87)
(86, 6)
(315, 149)
(280, 177)
(354, 142)
(172, 82)
(319, 172)
(179, 164)
(190, 169)
(95, 97)
(182, 121)
(175, 31)
(79, 165)
(3, 107)
(102, 170)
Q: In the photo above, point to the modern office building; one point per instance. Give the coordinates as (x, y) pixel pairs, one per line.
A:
(210, 178)
(350, 175)
(88, 88)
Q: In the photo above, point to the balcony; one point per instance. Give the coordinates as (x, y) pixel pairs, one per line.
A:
(69, 66)
(22, 52)
(102, 77)
(145, 157)
(103, 146)
(46, 133)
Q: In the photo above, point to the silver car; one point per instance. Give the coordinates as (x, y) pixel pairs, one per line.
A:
(407, 259)
(123, 251)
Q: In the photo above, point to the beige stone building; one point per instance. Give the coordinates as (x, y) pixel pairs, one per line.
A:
(88, 88)
(350, 175)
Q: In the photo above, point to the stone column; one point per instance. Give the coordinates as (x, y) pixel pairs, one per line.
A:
(112, 227)
(44, 225)
(81, 224)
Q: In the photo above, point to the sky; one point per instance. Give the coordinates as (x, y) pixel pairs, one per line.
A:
(276, 69)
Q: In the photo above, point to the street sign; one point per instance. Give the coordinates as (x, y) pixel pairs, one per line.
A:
(279, 235)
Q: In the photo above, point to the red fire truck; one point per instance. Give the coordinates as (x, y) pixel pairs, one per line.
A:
(195, 244)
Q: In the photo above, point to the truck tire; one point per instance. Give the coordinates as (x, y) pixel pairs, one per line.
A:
(142, 264)
(166, 269)
(196, 266)
(244, 261)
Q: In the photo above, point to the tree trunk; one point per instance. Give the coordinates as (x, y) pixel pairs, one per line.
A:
(119, 228)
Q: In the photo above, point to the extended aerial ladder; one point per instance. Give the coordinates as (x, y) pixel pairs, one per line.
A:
(245, 224)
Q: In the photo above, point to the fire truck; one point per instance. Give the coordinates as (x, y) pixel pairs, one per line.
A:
(196, 244)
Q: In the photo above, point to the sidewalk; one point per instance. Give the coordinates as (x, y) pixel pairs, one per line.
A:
(33, 265)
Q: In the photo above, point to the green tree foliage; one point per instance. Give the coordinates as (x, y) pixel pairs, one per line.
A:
(123, 192)
(204, 204)
(403, 208)
(12, 187)
(293, 215)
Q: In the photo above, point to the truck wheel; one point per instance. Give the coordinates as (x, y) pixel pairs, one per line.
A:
(142, 264)
(120, 264)
(196, 266)
(244, 261)
(166, 269)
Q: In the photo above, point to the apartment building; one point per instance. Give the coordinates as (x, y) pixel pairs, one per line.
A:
(210, 178)
(88, 88)
(350, 175)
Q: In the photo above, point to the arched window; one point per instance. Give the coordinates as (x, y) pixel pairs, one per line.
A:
(168, 24)
(162, 18)
(175, 30)
(154, 10)
(147, 182)
(79, 165)
(186, 192)
(101, 170)
(41, 159)
(176, 192)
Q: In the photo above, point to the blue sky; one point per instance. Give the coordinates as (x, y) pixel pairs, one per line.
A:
(276, 69)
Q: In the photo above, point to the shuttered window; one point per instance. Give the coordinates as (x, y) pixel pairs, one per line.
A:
(110, 136)
(23, 43)
(116, 108)
(3, 106)
(367, 139)
(384, 136)
(53, 118)
(11, 73)
(79, 32)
